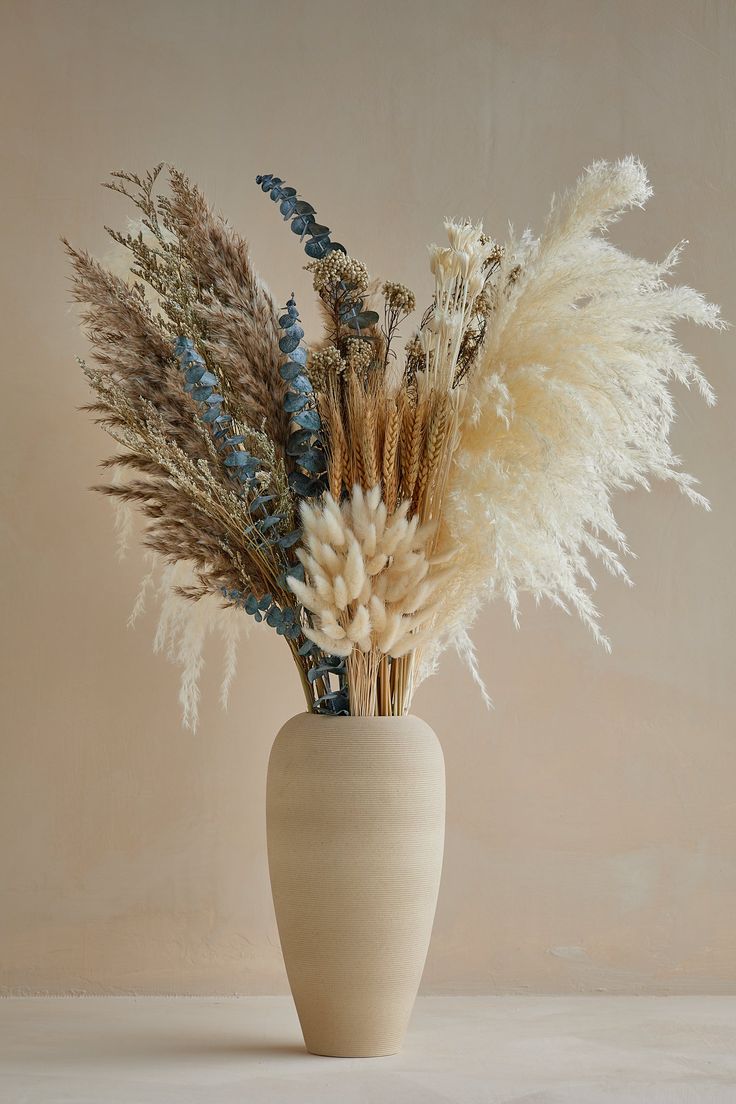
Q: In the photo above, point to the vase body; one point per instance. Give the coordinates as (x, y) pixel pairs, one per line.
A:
(355, 815)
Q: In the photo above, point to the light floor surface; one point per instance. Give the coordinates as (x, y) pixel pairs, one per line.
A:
(467, 1050)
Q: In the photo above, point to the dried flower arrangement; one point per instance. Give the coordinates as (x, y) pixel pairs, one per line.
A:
(363, 505)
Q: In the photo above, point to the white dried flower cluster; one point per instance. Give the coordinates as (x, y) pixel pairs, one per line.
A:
(370, 580)
(337, 266)
(460, 265)
(459, 271)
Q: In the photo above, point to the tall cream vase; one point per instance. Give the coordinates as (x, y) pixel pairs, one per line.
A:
(356, 825)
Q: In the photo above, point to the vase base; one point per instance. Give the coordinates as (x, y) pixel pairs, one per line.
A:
(351, 1052)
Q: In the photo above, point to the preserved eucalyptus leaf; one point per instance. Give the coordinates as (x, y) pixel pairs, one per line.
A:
(302, 224)
(240, 460)
(268, 522)
(298, 443)
(302, 384)
(317, 248)
(313, 461)
(363, 320)
(302, 485)
(260, 500)
(294, 402)
(289, 539)
(290, 370)
(309, 420)
(287, 344)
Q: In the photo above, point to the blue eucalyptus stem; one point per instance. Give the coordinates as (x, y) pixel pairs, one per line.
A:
(348, 308)
(302, 216)
(305, 445)
(243, 469)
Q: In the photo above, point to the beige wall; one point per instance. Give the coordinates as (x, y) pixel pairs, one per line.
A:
(592, 816)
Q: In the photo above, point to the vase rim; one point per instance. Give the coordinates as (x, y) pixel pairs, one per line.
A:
(323, 721)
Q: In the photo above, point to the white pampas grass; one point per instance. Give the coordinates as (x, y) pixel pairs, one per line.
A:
(370, 582)
(184, 627)
(568, 403)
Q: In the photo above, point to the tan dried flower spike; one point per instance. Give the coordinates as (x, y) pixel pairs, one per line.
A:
(370, 582)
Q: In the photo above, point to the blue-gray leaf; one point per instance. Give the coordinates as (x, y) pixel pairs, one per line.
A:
(301, 383)
(299, 441)
(290, 370)
(240, 460)
(363, 321)
(289, 539)
(308, 420)
(268, 522)
(295, 402)
(312, 461)
(288, 343)
(317, 248)
(303, 485)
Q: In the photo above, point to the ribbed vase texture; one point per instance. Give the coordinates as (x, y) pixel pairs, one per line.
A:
(356, 824)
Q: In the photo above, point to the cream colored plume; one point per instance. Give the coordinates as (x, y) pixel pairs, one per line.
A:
(568, 403)
(371, 582)
(184, 627)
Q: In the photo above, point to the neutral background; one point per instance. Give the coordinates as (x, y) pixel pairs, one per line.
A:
(591, 835)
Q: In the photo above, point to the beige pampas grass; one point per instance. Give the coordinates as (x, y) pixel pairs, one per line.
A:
(185, 627)
(568, 403)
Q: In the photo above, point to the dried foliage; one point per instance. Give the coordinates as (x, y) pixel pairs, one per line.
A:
(363, 506)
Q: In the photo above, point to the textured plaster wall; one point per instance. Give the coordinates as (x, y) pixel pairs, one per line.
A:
(591, 836)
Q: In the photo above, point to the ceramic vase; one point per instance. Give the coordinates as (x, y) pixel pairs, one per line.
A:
(355, 824)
